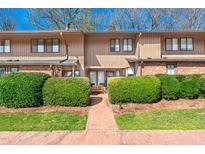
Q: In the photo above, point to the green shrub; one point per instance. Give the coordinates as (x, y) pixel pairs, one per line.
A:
(66, 91)
(144, 89)
(190, 87)
(170, 87)
(22, 89)
(181, 77)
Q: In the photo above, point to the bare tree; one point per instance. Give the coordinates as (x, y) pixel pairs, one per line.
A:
(7, 20)
(61, 18)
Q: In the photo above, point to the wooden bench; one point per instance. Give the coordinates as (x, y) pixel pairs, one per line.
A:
(97, 89)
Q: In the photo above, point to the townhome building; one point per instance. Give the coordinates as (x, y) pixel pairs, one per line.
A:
(99, 55)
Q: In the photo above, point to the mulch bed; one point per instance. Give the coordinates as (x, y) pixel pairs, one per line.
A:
(78, 110)
(163, 104)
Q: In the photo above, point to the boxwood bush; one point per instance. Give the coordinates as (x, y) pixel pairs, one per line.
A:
(144, 89)
(66, 91)
(170, 87)
(190, 87)
(22, 89)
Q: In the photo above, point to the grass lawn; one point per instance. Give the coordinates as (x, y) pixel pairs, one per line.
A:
(166, 119)
(37, 121)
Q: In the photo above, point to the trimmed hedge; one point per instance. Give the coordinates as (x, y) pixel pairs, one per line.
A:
(170, 87)
(66, 91)
(144, 89)
(22, 89)
(190, 87)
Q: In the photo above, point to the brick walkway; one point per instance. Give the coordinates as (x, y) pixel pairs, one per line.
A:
(102, 129)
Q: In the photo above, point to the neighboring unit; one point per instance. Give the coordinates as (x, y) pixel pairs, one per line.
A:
(99, 55)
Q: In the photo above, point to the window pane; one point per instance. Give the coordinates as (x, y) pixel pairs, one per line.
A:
(7, 46)
(112, 45)
(2, 46)
(129, 44)
(40, 46)
(189, 44)
(168, 44)
(67, 73)
(14, 69)
(49, 45)
(101, 77)
(34, 46)
(93, 78)
(125, 44)
(130, 71)
(170, 69)
(2, 70)
(183, 44)
(55, 45)
(174, 44)
(77, 73)
(117, 45)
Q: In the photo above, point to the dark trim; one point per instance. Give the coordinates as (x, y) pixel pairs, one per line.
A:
(114, 45)
(45, 45)
(4, 40)
(127, 45)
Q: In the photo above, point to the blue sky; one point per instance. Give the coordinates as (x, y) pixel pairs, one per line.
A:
(23, 24)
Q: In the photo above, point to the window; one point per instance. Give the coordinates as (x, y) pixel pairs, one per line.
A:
(5, 46)
(52, 45)
(172, 44)
(130, 71)
(2, 70)
(127, 44)
(77, 73)
(49, 45)
(101, 77)
(69, 73)
(170, 69)
(93, 77)
(38, 45)
(13, 69)
(115, 45)
(186, 44)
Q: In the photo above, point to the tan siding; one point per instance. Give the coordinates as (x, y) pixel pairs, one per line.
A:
(150, 46)
(198, 44)
(97, 51)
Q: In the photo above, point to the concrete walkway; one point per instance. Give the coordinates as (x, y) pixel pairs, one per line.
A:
(102, 129)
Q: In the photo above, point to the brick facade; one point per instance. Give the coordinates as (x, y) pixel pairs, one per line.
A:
(150, 68)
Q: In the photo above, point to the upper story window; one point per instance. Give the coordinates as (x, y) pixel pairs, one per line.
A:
(175, 44)
(172, 44)
(5, 46)
(115, 45)
(186, 44)
(127, 44)
(52, 45)
(49, 45)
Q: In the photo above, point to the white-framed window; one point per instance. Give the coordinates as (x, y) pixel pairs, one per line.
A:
(186, 44)
(115, 45)
(5, 46)
(130, 71)
(127, 44)
(172, 44)
(170, 69)
(76, 73)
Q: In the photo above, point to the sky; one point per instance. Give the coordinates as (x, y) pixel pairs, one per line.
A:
(23, 24)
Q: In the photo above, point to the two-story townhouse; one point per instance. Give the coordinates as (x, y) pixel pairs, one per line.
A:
(99, 55)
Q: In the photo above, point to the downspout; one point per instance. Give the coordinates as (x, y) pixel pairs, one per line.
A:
(61, 35)
(138, 54)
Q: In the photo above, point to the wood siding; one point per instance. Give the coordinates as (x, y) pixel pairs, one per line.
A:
(98, 54)
(150, 46)
(198, 42)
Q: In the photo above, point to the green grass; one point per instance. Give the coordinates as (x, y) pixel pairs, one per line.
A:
(37, 121)
(175, 119)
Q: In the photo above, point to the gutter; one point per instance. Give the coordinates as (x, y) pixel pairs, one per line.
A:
(66, 44)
